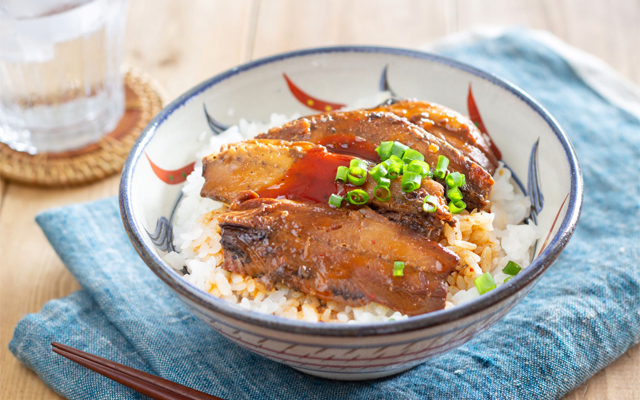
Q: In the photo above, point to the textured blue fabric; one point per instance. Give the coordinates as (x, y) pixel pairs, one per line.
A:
(582, 315)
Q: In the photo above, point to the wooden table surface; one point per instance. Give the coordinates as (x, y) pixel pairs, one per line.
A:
(182, 43)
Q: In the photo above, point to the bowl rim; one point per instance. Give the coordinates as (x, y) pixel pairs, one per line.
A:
(528, 276)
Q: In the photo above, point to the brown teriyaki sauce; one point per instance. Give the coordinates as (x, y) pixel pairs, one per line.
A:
(311, 178)
(351, 145)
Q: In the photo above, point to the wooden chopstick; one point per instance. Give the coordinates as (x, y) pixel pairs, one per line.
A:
(147, 384)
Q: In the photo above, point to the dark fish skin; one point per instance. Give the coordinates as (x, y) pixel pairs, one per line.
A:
(258, 165)
(376, 127)
(335, 254)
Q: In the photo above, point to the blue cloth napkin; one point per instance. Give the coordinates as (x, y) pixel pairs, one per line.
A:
(581, 316)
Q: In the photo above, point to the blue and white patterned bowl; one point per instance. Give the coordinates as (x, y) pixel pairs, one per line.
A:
(532, 144)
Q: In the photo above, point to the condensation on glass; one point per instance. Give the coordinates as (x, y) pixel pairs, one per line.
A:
(60, 82)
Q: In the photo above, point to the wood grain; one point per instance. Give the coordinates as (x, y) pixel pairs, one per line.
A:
(2, 192)
(619, 380)
(613, 34)
(32, 274)
(182, 43)
(609, 30)
(179, 44)
(578, 22)
(285, 25)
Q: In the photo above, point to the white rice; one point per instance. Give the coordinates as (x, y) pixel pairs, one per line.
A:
(484, 241)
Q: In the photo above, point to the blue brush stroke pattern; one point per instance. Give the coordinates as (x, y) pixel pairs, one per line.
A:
(384, 82)
(515, 178)
(162, 237)
(216, 127)
(535, 193)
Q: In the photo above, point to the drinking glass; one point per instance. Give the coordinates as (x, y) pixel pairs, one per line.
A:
(60, 82)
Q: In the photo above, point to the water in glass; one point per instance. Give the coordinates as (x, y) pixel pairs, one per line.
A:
(60, 82)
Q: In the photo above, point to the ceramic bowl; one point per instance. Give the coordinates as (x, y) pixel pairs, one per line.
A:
(533, 146)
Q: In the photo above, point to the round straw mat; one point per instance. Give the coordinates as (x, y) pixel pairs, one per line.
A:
(144, 99)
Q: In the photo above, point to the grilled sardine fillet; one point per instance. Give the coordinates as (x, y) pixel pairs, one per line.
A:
(340, 254)
(374, 127)
(448, 125)
(306, 172)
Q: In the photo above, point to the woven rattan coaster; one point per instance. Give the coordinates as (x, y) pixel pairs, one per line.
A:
(144, 100)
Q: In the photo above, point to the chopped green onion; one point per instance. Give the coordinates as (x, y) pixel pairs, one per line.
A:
(392, 160)
(454, 194)
(512, 268)
(416, 169)
(357, 197)
(385, 190)
(441, 167)
(484, 283)
(384, 150)
(398, 149)
(455, 179)
(412, 155)
(443, 163)
(394, 167)
(394, 172)
(456, 206)
(508, 279)
(384, 182)
(341, 175)
(430, 204)
(398, 268)
(335, 200)
(377, 172)
(357, 176)
(356, 162)
(419, 167)
(410, 181)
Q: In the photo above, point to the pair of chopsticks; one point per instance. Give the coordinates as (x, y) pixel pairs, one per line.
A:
(142, 382)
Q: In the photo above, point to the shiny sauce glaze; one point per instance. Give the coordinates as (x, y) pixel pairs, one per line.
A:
(335, 254)
(351, 145)
(311, 178)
